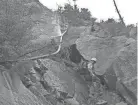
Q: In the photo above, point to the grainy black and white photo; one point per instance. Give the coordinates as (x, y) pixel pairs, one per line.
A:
(68, 52)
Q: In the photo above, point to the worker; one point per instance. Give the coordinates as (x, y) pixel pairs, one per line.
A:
(91, 66)
(91, 69)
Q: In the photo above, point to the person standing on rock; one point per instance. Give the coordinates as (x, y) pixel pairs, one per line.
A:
(91, 66)
(91, 69)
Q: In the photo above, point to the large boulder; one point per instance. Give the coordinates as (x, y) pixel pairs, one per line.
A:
(104, 49)
(116, 59)
(22, 97)
(65, 79)
(125, 68)
(73, 34)
(25, 26)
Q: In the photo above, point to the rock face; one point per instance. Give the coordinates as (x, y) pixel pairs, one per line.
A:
(116, 59)
(121, 103)
(126, 69)
(73, 34)
(28, 25)
(65, 79)
(23, 97)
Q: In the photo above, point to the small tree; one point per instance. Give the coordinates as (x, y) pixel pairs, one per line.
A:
(75, 5)
(85, 14)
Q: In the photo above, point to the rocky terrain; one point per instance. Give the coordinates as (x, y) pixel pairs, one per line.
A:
(41, 66)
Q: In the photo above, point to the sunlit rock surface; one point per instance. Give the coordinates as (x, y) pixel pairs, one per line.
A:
(116, 58)
(73, 34)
